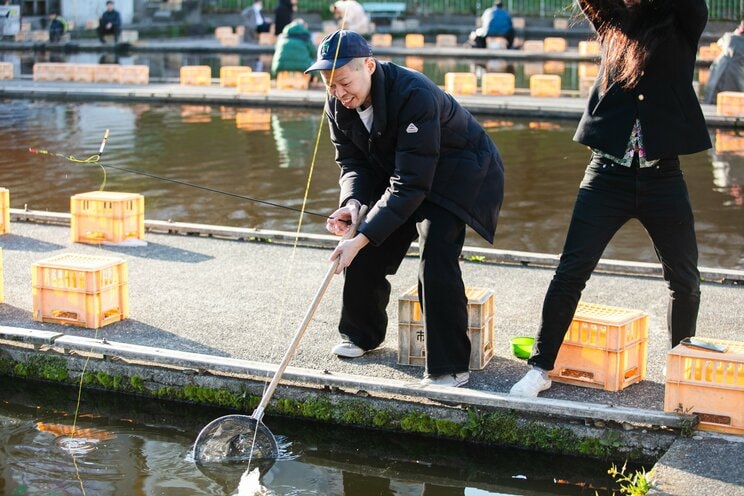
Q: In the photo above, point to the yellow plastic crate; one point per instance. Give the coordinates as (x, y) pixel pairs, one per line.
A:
(254, 83)
(545, 85)
(414, 40)
(588, 48)
(4, 211)
(554, 67)
(2, 287)
(446, 40)
(412, 330)
(221, 31)
(196, 75)
(229, 75)
(730, 103)
(588, 69)
(255, 119)
(703, 75)
(382, 40)
(292, 80)
(729, 142)
(230, 40)
(107, 73)
(498, 83)
(708, 384)
(268, 39)
(107, 216)
(6, 70)
(460, 83)
(605, 347)
(134, 74)
(533, 46)
(554, 44)
(82, 290)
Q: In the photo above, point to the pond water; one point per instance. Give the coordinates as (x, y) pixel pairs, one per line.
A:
(266, 154)
(133, 446)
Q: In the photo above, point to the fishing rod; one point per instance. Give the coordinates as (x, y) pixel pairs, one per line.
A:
(95, 159)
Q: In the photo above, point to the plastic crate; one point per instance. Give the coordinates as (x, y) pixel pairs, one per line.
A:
(533, 46)
(22, 36)
(107, 73)
(255, 119)
(134, 74)
(229, 74)
(460, 83)
(519, 22)
(6, 70)
(545, 85)
(560, 23)
(729, 142)
(412, 330)
(382, 40)
(708, 384)
(730, 103)
(292, 80)
(107, 216)
(446, 40)
(83, 73)
(498, 83)
(266, 39)
(703, 75)
(52, 71)
(589, 48)
(588, 69)
(221, 31)
(40, 36)
(83, 290)
(231, 40)
(196, 75)
(554, 44)
(254, 83)
(4, 211)
(605, 347)
(554, 67)
(414, 40)
(91, 24)
(129, 36)
(709, 53)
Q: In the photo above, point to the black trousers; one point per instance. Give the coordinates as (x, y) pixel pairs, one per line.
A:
(609, 196)
(441, 289)
(102, 31)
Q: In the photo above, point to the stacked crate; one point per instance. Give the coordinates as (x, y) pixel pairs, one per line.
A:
(460, 83)
(707, 383)
(107, 216)
(195, 75)
(292, 80)
(605, 347)
(83, 290)
(412, 329)
(730, 103)
(545, 85)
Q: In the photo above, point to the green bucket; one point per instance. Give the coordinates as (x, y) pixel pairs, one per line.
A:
(522, 346)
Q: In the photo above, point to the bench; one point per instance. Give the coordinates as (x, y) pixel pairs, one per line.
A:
(384, 10)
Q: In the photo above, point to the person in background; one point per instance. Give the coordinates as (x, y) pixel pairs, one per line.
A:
(294, 51)
(740, 29)
(727, 70)
(425, 168)
(352, 15)
(642, 113)
(495, 21)
(283, 14)
(254, 22)
(110, 23)
(57, 27)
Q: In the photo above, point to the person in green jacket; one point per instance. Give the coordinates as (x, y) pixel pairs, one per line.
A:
(294, 50)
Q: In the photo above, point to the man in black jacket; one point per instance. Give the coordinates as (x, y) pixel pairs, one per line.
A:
(110, 23)
(425, 168)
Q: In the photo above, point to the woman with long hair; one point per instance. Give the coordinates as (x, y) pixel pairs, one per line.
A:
(642, 113)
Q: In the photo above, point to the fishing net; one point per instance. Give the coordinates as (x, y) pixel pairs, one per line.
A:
(235, 438)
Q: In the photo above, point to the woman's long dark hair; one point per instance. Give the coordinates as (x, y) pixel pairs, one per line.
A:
(628, 35)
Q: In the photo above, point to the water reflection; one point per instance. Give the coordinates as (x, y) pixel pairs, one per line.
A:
(266, 154)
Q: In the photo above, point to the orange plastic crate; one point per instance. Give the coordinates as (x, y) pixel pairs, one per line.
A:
(83, 73)
(446, 40)
(83, 290)
(52, 71)
(4, 211)
(254, 82)
(554, 44)
(6, 70)
(605, 347)
(412, 330)
(107, 73)
(382, 40)
(134, 74)
(107, 216)
(708, 384)
(547, 85)
(554, 67)
(460, 83)
(729, 142)
(730, 103)
(229, 74)
(292, 80)
(414, 40)
(589, 48)
(196, 75)
(498, 83)
(256, 119)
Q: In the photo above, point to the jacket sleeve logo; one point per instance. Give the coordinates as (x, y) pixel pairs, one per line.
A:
(412, 129)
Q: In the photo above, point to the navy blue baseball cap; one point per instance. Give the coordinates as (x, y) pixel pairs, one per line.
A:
(352, 45)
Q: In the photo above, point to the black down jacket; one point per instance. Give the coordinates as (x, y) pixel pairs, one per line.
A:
(423, 146)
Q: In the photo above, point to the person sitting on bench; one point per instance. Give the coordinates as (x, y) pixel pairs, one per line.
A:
(495, 21)
(110, 23)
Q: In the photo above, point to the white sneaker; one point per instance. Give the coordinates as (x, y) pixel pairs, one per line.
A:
(451, 380)
(531, 384)
(347, 349)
